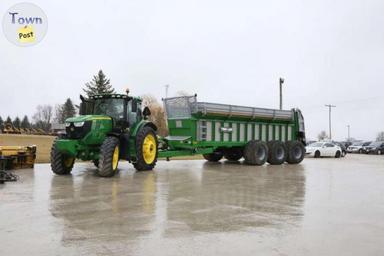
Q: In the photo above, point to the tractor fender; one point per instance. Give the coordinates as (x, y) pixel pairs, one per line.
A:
(141, 125)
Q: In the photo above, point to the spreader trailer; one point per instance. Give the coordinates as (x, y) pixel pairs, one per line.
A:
(113, 127)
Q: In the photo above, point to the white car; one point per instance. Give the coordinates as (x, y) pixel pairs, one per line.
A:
(319, 149)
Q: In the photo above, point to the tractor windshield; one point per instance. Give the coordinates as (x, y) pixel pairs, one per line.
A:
(110, 106)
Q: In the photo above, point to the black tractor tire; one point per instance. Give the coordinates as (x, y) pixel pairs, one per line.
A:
(317, 154)
(277, 152)
(96, 162)
(107, 150)
(295, 152)
(338, 154)
(233, 154)
(213, 157)
(141, 164)
(61, 164)
(256, 152)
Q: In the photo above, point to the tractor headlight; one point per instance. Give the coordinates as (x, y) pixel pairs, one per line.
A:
(78, 124)
(67, 124)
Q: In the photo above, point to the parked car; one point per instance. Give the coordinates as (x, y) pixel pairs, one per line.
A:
(343, 148)
(357, 147)
(320, 149)
(376, 147)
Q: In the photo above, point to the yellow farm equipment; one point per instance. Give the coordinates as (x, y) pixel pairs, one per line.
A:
(17, 157)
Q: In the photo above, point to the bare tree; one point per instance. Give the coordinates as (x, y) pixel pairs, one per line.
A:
(157, 114)
(322, 135)
(42, 117)
(380, 136)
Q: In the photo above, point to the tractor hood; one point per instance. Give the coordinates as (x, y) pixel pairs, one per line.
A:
(84, 118)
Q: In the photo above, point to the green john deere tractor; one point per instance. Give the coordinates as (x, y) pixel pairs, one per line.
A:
(109, 128)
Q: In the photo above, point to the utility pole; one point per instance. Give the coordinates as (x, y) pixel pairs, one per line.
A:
(166, 90)
(349, 137)
(281, 81)
(330, 121)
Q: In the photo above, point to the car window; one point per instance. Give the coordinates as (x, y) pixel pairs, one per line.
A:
(329, 145)
(316, 145)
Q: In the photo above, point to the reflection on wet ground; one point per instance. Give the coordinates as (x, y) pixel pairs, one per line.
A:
(194, 207)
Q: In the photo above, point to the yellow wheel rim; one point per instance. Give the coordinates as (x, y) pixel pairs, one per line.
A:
(115, 158)
(149, 149)
(68, 162)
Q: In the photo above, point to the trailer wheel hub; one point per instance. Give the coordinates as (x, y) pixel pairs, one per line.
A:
(149, 149)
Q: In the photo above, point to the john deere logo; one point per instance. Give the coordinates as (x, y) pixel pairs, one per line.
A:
(25, 24)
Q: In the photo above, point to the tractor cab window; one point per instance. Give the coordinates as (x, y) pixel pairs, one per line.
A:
(132, 111)
(110, 107)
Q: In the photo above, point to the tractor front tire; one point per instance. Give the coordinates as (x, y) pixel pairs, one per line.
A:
(109, 157)
(61, 164)
(146, 149)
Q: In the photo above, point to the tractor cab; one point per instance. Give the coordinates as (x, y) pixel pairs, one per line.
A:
(123, 109)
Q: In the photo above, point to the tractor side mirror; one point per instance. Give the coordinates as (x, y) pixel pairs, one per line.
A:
(146, 112)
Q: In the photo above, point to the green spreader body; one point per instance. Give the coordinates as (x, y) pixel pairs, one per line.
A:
(202, 128)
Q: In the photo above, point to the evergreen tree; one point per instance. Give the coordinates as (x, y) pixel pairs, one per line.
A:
(17, 122)
(68, 110)
(9, 120)
(99, 85)
(25, 123)
(1, 121)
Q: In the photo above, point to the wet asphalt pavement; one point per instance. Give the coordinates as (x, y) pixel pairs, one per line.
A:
(320, 207)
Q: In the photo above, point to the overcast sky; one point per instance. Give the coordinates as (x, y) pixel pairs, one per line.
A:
(232, 52)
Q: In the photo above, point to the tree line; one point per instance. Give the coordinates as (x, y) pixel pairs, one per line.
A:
(45, 115)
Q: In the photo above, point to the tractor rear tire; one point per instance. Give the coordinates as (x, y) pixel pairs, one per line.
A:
(233, 154)
(61, 164)
(146, 149)
(109, 157)
(213, 157)
(277, 152)
(256, 152)
(296, 152)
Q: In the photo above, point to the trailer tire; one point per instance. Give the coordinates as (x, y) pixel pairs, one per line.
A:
(295, 152)
(233, 154)
(256, 152)
(146, 149)
(277, 152)
(61, 164)
(109, 157)
(213, 157)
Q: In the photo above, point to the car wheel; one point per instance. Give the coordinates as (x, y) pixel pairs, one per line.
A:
(317, 154)
(338, 154)
(343, 153)
(379, 152)
(360, 151)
